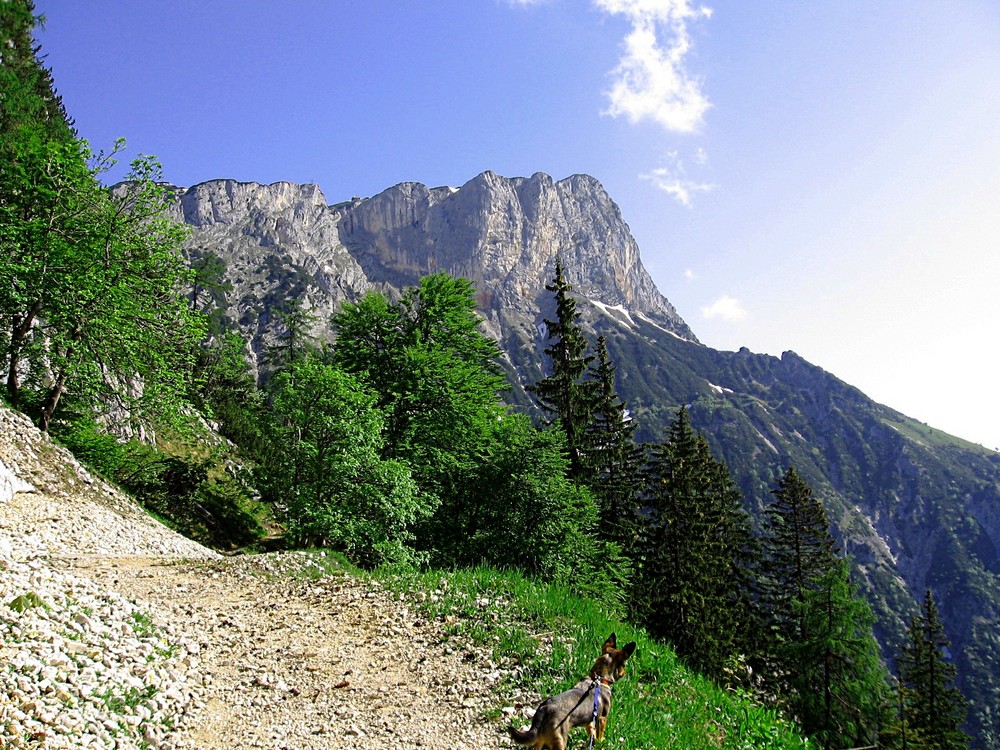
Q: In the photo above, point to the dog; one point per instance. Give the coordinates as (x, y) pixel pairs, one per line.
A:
(557, 715)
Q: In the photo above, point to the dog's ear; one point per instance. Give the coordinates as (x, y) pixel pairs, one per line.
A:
(610, 644)
(628, 649)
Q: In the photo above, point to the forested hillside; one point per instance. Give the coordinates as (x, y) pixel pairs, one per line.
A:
(487, 376)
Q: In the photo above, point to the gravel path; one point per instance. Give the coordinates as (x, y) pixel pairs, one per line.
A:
(117, 633)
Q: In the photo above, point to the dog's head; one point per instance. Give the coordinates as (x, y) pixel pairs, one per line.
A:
(611, 664)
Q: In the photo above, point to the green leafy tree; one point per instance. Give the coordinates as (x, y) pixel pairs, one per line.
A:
(435, 376)
(329, 474)
(568, 396)
(90, 290)
(694, 552)
(933, 709)
(519, 510)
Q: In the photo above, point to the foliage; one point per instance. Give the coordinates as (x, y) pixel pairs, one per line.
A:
(90, 287)
(614, 458)
(435, 376)
(819, 656)
(184, 491)
(519, 510)
(224, 390)
(839, 684)
(329, 475)
(694, 553)
(566, 394)
(798, 551)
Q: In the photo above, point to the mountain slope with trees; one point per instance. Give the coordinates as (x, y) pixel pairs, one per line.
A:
(913, 507)
(372, 415)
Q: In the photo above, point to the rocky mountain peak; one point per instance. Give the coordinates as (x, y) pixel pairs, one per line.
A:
(505, 235)
(282, 242)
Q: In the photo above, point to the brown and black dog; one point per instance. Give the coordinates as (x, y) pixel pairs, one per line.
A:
(575, 708)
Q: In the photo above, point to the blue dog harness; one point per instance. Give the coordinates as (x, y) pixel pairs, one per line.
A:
(597, 708)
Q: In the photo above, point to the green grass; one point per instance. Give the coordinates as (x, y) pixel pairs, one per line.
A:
(931, 436)
(552, 638)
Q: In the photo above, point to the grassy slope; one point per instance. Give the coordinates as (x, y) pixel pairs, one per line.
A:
(551, 638)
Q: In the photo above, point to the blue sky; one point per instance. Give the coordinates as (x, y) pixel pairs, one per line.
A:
(822, 177)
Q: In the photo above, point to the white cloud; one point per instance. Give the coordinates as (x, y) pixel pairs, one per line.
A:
(672, 178)
(651, 81)
(725, 308)
(690, 275)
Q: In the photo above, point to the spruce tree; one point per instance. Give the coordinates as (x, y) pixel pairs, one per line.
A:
(933, 709)
(798, 550)
(614, 458)
(839, 686)
(820, 654)
(566, 395)
(692, 553)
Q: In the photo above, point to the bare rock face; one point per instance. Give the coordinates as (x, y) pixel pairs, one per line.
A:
(279, 243)
(282, 242)
(505, 235)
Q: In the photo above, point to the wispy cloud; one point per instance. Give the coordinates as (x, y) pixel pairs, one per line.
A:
(725, 308)
(651, 81)
(673, 180)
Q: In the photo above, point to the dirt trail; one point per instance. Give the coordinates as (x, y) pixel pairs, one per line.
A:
(334, 663)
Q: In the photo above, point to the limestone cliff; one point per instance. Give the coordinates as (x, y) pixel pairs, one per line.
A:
(282, 241)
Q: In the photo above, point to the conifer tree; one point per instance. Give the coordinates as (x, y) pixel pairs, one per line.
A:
(798, 550)
(567, 395)
(693, 552)
(614, 458)
(839, 685)
(933, 709)
(820, 655)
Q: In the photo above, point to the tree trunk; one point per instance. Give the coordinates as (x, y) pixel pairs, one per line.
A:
(52, 402)
(18, 333)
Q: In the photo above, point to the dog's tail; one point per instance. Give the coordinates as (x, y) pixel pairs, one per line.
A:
(523, 738)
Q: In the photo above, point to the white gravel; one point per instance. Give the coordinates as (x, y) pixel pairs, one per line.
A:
(115, 632)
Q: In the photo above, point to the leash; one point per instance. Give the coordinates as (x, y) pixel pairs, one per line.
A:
(597, 710)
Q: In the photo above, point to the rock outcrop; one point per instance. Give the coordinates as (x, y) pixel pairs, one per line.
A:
(281, 242)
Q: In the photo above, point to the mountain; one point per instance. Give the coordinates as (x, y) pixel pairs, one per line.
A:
(916, 509)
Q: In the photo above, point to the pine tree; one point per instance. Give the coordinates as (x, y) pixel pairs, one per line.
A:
(693, 552)
(567, 395)
(933, 709)
(839, 685)
(614, 459)
(820, 655)
(798, 549)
